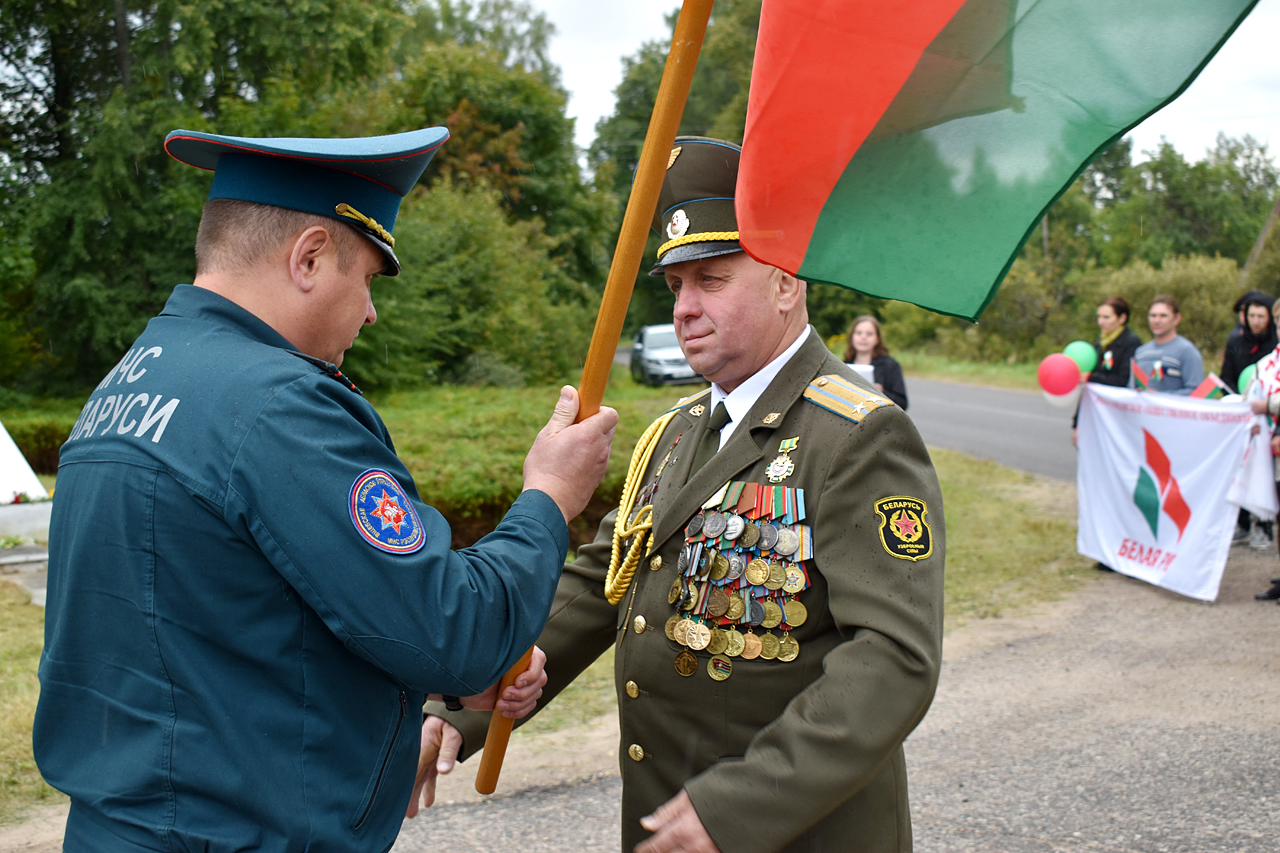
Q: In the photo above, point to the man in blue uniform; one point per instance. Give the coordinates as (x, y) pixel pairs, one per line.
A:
(248, 600)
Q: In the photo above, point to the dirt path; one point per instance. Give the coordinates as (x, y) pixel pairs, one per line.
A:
(1121, 719)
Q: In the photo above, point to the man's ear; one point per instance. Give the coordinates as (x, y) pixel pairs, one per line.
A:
(307, 256)
(790, 292)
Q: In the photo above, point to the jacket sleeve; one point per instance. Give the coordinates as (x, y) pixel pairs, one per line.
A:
(888, 375)
(438, 620)
(582, 626)
(838, 733)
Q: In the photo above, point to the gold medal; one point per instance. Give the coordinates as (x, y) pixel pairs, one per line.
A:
(782, 467)
(795, 580)
(717, 603)
(690, 596)
(795, 613)
(750, 535)
(757, 572)
(681, 631)
(736, 607)
(719, 667)
(686, 663)
(750, 646)
(777, 576)
(698, 637)
(788, 648)
(677, 589)
(719, 642)
(769, 647)
(670, 628)
(719, 567)
(772, 615)
(733, 642)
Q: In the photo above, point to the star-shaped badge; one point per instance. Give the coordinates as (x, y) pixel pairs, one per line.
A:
(390, 511)
(906, 525)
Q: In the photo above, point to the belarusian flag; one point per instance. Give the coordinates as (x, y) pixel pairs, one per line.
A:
(907, 148)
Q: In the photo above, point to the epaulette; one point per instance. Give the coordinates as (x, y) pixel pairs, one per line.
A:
(839, 395)
(331, 370)
(689, 399)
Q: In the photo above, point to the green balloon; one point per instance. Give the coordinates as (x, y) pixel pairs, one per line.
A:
(1083, 354)
(1245, 376)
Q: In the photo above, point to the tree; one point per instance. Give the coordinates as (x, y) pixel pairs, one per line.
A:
(97, 223)
(1215, 206)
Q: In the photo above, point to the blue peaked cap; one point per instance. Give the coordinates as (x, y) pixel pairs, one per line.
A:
(357, 181)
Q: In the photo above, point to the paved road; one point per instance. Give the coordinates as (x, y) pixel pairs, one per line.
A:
(1015, 428)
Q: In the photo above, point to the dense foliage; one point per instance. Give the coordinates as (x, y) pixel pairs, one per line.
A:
(97, 223)
(1160, 225)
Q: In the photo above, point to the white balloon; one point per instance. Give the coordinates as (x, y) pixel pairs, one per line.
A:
(1064, 401)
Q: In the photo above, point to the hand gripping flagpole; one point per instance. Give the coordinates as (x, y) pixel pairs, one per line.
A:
(686, 42)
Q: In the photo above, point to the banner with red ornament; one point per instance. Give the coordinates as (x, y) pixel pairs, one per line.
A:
(1152, 482)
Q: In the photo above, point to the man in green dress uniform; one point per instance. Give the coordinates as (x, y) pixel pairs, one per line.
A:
(772, 580)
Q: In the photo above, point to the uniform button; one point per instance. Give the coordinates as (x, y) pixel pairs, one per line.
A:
(636, 751)
(640, 624)
(656, 562)
(633, 689)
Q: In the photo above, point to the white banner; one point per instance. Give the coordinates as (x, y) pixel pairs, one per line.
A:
(1152, 482)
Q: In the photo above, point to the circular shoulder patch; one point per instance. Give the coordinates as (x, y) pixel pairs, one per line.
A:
(384, 515)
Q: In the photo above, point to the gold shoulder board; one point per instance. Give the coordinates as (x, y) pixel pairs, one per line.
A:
(683, 401)
(839, 395)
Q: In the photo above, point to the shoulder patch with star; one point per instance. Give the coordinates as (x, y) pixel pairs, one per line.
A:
(383, 515)
(904, 532)
(839, 395)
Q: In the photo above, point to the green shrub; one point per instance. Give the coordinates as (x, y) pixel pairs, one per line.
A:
(39, 437)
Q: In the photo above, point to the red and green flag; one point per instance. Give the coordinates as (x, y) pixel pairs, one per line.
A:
(907, 148)
(1140, 378)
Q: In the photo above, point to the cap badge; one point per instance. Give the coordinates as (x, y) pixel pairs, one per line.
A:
(678, 225)
(675, 152)
(350, 212)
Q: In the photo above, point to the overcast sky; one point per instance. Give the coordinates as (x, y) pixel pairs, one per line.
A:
(1238, 93)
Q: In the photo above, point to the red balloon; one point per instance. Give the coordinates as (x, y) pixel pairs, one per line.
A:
(1058, 374)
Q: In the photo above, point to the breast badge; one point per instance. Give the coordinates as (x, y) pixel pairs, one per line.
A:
(383, 515)
(903, 530)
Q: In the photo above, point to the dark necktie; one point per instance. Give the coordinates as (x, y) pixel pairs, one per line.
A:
(710, 442)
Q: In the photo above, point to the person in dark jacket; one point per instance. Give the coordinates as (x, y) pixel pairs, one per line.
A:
(248, 598)
(1115, 345)
(866, 346)
(1256, 340)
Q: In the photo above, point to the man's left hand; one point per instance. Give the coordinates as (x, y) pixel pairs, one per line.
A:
(520, 698)
(676, 828)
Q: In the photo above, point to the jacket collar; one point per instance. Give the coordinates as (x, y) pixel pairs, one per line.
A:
(749, 442)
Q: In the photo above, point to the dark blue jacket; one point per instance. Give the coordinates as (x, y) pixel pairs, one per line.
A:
(236, 648)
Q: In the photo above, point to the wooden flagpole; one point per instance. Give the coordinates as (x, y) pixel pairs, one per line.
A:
(677, 77)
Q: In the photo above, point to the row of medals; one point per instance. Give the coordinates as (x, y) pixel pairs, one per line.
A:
(752, 556)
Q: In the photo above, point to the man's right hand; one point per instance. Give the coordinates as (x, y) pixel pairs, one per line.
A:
(568, 460)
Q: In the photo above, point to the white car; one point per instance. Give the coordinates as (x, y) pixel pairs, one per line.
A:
(656, 358)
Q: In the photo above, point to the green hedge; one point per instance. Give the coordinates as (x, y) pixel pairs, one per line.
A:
(39, 437)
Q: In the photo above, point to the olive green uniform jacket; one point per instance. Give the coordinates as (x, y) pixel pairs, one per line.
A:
(781, 756)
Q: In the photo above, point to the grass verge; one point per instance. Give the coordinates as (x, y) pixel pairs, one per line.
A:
(21, 638)
(922, 365)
